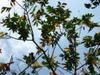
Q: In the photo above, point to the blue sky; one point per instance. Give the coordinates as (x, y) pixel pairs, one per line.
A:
(19, 48)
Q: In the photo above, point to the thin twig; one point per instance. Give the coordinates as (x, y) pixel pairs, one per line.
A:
(16, 38)
(29, 65)
(81, 66)
(45, 56)
(60, 47)
(80, 30)
(61, 73)
(30, 8)
(64, 69)
(53, 51)
(32, 33)
(20, 5)
(18, 67)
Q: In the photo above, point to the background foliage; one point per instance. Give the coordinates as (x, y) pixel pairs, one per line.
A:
(54, 23)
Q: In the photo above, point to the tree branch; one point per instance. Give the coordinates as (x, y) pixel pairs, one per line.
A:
(20, 5)
(32, 33)
(53, 51)
(45, 56)
(60, 47)
(16, 38)
(81, 66)
(9, 37)
(30, 64)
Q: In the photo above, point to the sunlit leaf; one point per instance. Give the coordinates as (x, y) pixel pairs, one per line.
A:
(2, 34)
(36, 64)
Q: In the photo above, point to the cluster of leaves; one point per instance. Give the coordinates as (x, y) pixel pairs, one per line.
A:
(4, 67)
(71, 58)
(7, 9)
(92, 60)
(90, 41)
(92, 57)
(18, 24)
(32, 62)
(52, 61)
(93, 4)
(54, 18)
(41, 2)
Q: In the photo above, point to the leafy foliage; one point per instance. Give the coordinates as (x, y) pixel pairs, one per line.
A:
(18, 24)
(7, 9)
(55, 23)
(93, 4)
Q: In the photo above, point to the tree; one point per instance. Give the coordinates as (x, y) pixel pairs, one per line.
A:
(54, 23)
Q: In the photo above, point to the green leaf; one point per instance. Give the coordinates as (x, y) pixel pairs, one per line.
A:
(91, 69)
(50, 9)
(88, 5)
(7, 9)
(88, 41)
(69, 66)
